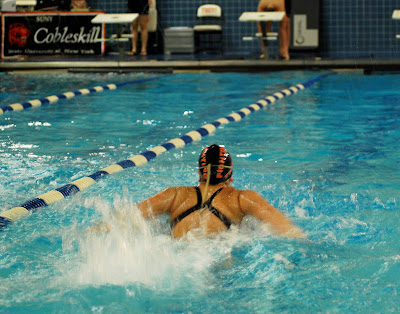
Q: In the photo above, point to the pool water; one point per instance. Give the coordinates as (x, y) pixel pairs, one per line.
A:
(327, 156)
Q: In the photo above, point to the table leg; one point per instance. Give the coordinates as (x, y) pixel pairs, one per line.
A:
(120, 42)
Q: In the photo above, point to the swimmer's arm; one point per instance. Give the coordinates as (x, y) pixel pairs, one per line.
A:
(99, 227)
(252, 203)
(155, 205)
(158, 204)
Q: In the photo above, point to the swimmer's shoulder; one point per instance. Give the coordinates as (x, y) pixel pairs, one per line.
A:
(182, 190)
(232, 191)
(242, 193)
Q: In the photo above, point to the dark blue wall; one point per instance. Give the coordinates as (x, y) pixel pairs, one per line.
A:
(348, 28)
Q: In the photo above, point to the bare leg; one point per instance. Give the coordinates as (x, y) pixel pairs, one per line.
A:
(134, 37)
(260, 30)
(284, 38)
(144, 33)
(264, 28)
(264, 6)
(284, 27)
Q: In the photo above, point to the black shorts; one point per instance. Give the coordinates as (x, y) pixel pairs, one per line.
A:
(288, 7)
(138, 6)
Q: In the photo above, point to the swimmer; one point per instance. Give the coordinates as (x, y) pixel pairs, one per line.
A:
(213, 206)
(284, 26)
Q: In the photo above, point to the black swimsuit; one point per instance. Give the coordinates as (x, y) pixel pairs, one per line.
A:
(138, 6)
(207, 205)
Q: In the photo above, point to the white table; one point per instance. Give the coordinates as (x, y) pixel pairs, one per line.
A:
(275, 16)
(117, 20)
(261, 16)
(122, 18)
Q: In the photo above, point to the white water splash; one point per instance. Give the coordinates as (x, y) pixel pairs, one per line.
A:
(142, 251)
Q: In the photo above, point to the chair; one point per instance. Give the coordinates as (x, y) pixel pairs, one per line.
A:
(208, 28)
(396, 16)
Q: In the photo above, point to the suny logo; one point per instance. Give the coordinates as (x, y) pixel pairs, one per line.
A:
(18, 34)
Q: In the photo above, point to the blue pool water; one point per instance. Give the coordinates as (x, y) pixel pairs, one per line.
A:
(327, 156)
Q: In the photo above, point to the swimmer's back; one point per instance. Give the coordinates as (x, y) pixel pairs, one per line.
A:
(226, 202)
(234, 204)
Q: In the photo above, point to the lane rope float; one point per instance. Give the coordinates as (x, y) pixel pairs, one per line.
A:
(81, 184)
(68, 95)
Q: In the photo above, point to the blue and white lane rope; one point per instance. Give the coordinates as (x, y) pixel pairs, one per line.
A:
(74, 187)
(54, 98)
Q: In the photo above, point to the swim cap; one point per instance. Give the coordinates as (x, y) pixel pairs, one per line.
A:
(220, 162)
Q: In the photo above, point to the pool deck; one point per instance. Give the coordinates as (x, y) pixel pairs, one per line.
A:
(175, 63)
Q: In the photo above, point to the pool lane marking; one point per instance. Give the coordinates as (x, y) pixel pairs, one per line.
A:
(81, 184)
(68, 95)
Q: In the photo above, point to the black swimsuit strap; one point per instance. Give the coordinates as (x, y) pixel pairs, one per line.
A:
(207, 205)
(215, 211)
(190, 210)
(220, 216)
(209, 201)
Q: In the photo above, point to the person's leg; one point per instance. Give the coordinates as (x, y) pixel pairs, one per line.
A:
(284, 38)
(144, 33)
(134, 37)
(266, 5)
(261, 26)
(265, 27)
